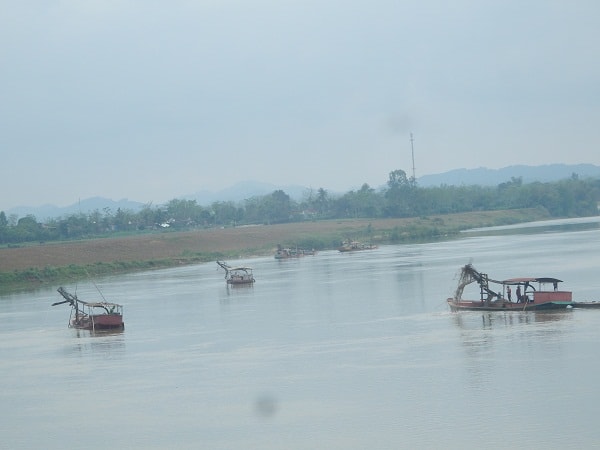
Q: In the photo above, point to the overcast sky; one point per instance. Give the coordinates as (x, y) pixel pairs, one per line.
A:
(151, 100)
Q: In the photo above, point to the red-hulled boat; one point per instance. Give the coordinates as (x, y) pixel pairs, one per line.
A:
(92, 316)
(534, 293)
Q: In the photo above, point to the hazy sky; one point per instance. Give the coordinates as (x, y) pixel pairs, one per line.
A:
(152, 100)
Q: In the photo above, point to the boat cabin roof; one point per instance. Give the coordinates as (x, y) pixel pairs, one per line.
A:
(227, 267)
(525, 280)
(99, 304)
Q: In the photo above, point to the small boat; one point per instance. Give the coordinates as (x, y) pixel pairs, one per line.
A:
(238, 275)
(527, 296)
(355, 246)
(92, 315)
(589, 305)
(288, 252)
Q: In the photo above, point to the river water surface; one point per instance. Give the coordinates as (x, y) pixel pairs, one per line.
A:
(333, 351)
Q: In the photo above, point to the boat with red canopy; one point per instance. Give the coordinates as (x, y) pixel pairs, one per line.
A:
(530, 293)
(92, 315)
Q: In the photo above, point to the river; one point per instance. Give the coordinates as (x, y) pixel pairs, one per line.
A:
(332, 351)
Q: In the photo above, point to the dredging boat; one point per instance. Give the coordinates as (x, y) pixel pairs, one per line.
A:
(92, 315)
(292, 252)
(239, 275)
(530, 293)
(355, 246)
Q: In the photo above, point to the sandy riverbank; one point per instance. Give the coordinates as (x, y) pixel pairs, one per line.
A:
(247, 240)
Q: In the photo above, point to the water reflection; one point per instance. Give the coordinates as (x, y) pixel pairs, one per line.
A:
(235, 293)
(231, 288)
(105, 343)
(347, 346)
(499, 346)
(489, 320)
(479, 332)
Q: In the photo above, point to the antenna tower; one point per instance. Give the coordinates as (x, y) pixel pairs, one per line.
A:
(412, 149)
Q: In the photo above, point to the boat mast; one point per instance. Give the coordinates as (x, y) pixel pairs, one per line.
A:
(412, 150)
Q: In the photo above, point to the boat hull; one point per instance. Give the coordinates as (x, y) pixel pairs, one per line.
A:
(476, 305)
(591, 305)
(356, 249)
(240, 282)
(293, 253)
(99, 322)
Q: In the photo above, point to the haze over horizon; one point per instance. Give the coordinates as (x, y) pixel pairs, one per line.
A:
(150, 101)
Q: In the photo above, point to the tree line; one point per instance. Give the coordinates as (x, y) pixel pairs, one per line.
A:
(401, 197)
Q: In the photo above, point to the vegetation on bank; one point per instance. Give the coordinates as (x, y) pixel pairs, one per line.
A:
(320, 236)
(420, 214)
(401, 198)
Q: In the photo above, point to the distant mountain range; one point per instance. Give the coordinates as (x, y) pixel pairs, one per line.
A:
(492, 177)
(84, 206)
(248, 189)
(235, 193)
(244, 190)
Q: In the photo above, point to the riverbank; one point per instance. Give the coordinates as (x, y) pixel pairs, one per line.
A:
(29, 266)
